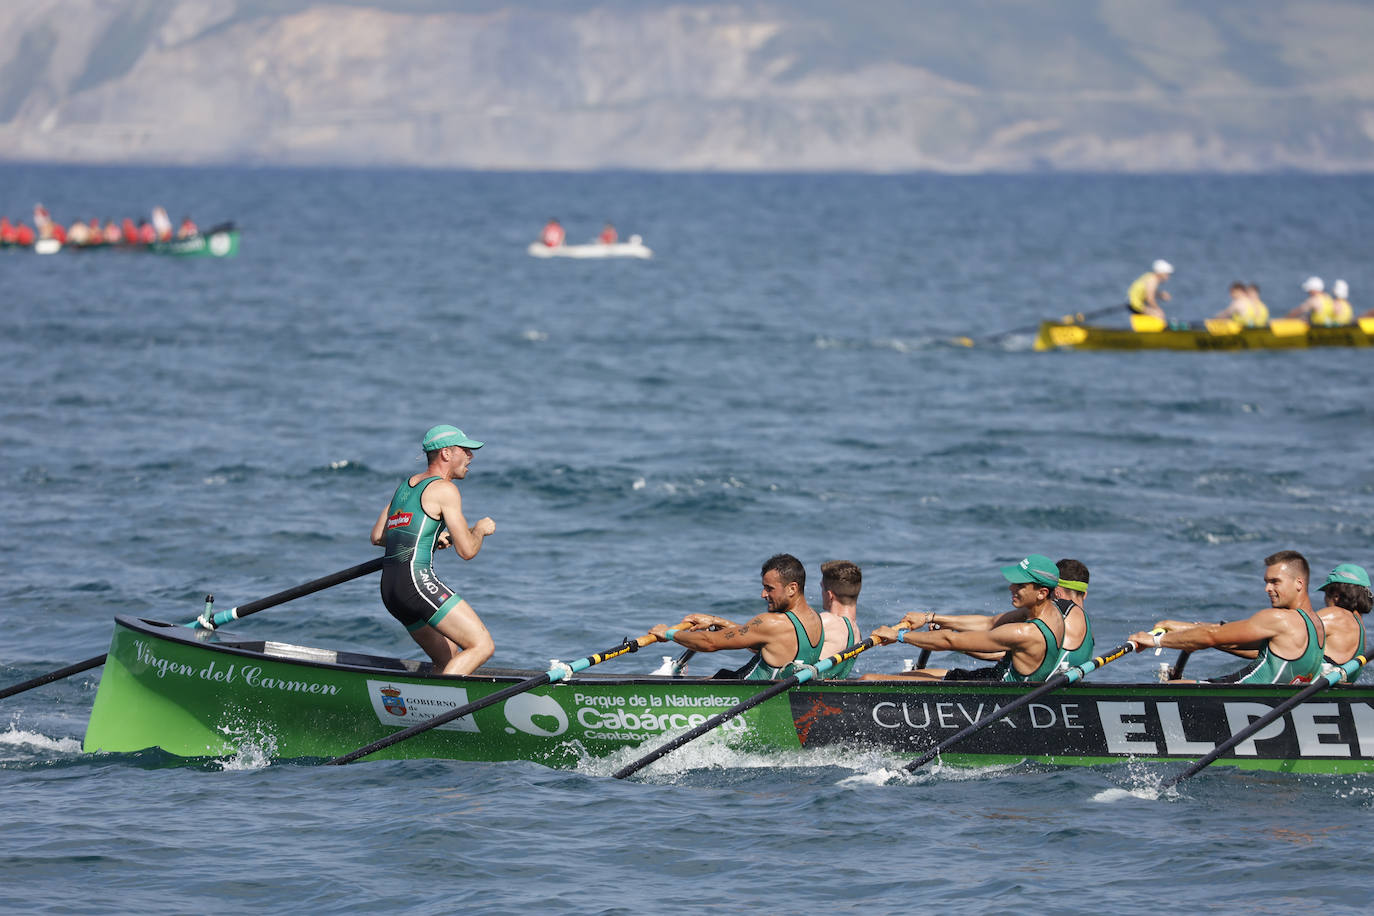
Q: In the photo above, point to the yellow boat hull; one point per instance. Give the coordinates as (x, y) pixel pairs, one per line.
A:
(1280, 334)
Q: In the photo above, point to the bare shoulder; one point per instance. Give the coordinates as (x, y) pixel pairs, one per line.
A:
(767, 622)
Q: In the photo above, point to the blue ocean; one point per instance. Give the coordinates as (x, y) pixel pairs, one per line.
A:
(779, 377)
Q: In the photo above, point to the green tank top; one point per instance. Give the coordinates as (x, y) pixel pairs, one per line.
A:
(1272, 668)
(843, 669)
(1075, 658)
(410, 533)
(1047, 664)
(807, 654)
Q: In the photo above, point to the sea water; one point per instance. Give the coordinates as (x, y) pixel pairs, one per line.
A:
(779, 377)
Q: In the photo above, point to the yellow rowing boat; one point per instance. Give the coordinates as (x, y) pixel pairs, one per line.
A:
(1148, 333)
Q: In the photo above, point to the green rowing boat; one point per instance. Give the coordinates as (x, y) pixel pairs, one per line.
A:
(194, 693)
(1279, 334)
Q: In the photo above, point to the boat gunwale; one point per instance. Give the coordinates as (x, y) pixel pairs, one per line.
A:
(181, 634)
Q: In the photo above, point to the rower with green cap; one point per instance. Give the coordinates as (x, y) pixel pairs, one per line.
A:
(425, 513)
(1348, 599)
(1027, 639)
(1285, 639)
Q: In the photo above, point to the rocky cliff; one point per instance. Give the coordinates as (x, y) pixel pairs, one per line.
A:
(875, 85)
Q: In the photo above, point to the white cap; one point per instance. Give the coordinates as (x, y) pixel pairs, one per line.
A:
(1313, 285)
(1340, 289)
(1162, 267)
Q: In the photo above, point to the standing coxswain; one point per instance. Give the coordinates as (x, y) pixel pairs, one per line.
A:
(425, 513)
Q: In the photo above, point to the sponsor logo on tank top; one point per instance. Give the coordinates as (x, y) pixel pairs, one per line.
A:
(399, 520)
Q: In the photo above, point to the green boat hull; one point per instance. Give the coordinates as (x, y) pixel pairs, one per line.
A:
(195, 694)
(217, 243)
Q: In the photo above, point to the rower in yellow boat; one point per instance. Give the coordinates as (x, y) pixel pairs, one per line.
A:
(1144, 296)
(1340, 302)
(1245, 308)
(1319, 309)
(1254, 291)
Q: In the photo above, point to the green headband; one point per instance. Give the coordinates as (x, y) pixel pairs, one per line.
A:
(1072, 584)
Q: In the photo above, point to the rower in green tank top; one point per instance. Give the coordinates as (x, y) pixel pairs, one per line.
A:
(1348, 600)
(841, 581)
(1285, 640)
(783, 638)
(1070, 595)
(1027, 639)
(426, 513)
(1048, 663)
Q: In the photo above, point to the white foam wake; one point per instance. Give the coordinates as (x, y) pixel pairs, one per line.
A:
(17, 738)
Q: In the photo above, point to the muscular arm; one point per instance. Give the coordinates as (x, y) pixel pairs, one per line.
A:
(1001, 639)
(1251, 633)
(449, 503)
(379, 529)
(757, 634)
(967, 623)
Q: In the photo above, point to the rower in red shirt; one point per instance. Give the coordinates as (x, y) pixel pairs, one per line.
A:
(129, 231)
(146, 233)
(608, 235)
(23, 235)
(112, 233)
(8, 233)
(553, 234)
(188, 229)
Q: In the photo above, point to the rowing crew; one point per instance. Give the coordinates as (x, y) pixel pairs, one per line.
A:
(93, 232)
(1246, 307)
(1046, 631)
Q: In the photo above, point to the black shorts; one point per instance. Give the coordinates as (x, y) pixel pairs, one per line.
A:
(417, 598)
(990, 673)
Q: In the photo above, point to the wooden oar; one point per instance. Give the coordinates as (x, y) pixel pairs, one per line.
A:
(210, 620)
(1077, 317)
(1054, 683)
(1317, 686)
(558, 672)
(801, 677)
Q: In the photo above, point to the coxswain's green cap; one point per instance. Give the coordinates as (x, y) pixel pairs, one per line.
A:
(444, 435)
(1349, 574)
(1036, 568)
